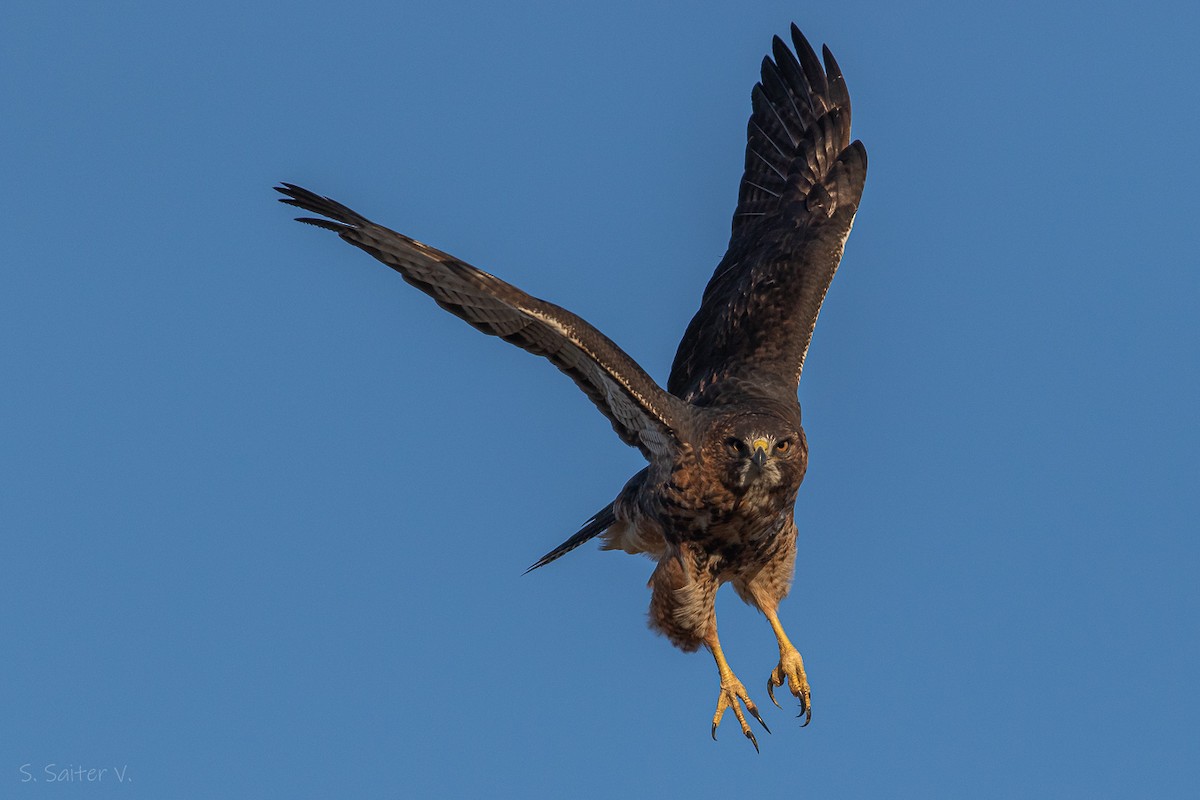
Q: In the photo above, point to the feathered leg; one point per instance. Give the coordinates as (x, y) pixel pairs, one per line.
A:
(763, 590)
(681, 608)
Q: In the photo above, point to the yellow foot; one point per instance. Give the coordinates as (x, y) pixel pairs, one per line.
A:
(791, 669)
(731, 692)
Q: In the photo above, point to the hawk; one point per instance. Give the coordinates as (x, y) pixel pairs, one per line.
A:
(725, 447)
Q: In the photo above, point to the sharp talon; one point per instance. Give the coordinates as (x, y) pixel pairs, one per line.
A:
(754, 711)
(791, 672)
(733, 696)
(771, 693)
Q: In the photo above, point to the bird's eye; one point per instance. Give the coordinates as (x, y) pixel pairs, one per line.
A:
(734, 445)
(783, 446)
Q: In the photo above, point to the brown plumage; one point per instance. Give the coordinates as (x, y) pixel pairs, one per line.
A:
(724, 443)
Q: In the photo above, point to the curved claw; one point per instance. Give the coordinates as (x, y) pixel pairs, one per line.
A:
(749, 734)
(754, 712)
(771, 692)
(732, 696)
(791, 673)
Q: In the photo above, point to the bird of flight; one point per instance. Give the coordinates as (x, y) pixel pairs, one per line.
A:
(725, 447)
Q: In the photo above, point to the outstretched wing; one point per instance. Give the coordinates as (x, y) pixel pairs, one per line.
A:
(642, 414)
(799, 193)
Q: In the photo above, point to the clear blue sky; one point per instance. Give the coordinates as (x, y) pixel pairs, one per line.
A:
(265, 507)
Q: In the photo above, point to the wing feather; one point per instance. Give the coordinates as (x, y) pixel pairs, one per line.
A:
(641, 412)
(800, 191)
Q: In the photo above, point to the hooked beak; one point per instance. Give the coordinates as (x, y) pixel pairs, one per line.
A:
(759, 458)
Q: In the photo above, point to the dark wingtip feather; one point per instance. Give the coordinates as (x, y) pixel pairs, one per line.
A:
(789, 69)
(767, 65)
(328, 225)
(778, 49)
(599, 522)
(300, 197)
(839, 93)
(831, 66)
(553, 555)
(541, 562)
(798, 35)
(809, 61)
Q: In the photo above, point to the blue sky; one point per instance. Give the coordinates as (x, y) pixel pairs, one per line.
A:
(265, 508)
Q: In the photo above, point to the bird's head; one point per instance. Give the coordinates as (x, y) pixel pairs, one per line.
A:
(760, 452)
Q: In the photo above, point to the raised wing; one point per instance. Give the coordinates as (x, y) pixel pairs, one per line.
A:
(799, 193)
(642, 414)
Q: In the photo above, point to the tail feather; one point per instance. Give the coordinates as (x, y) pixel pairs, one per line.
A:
(600, 521)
